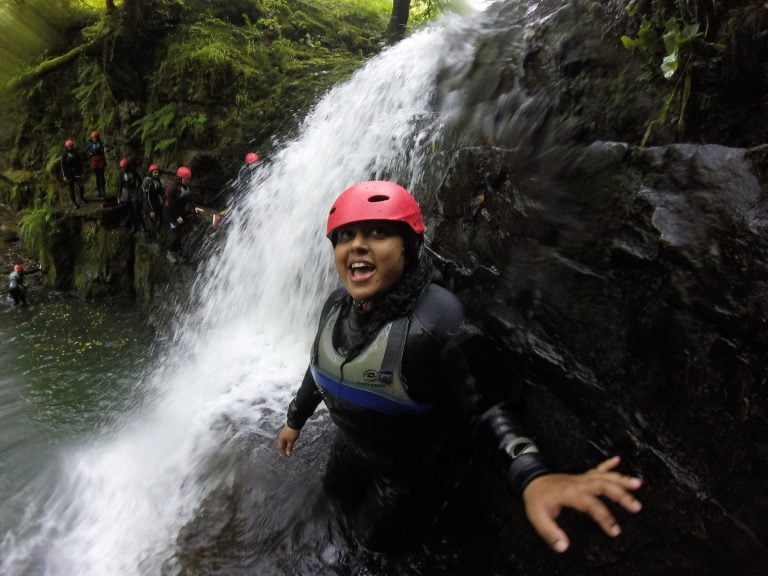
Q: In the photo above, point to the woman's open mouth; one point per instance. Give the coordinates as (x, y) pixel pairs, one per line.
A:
(361, 271)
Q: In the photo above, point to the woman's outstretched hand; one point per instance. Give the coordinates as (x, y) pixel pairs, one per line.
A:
(547, 495)
(286, 439)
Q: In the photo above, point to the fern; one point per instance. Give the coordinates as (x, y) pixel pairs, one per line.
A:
(35, 224)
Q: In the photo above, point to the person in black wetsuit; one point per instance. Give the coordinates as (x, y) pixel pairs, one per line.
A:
(152, 187)
(128, 185)
(94, 151)
(72, 172)
(16, 285)
(400, 370)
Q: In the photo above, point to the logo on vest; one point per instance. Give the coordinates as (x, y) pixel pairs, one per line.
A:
(370, 375)
(373, 379)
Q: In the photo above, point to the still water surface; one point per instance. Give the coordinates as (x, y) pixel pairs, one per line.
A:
(67, 370)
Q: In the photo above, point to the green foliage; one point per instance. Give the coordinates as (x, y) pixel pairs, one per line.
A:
(423, 11)
(94, 98)
(682, 48)
(160, 130)
(217, 78)
(220, 75)
(35, 224)
(30, 29)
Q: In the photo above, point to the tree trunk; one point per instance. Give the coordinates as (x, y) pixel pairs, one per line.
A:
(110, 6)
(135, 13)
(399, 19)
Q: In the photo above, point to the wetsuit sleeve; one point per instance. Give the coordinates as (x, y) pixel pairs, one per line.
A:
(304, 403)
(470, 365)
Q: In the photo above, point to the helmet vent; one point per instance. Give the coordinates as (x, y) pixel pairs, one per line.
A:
(378, 198)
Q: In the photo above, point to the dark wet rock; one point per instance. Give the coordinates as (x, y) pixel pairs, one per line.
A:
(632, 287)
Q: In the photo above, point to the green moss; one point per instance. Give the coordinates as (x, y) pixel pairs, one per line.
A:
(36, 225)
(218, 80)
(93, 95)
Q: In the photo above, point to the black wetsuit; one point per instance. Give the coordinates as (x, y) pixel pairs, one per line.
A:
(71, 172)
(175, 199)
(391, 458)
(16, 287)
(153, 202)
(128, 194)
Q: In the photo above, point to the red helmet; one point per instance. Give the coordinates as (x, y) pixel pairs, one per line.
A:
(18, 268)
(69, 144)
(252, 158)
(375, 200)
(124, 163)
(95, 134)
(153, 167)
(183, 172)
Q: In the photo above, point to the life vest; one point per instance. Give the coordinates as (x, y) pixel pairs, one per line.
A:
(95, 151)
(15, 281)
(372, 379)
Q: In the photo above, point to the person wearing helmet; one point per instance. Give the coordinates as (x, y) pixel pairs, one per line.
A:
(94, 151)
(16, 285)
(407, 382)
(152, 188)
(128, 184)
(71, 171)
(252, 161)
(177, 195)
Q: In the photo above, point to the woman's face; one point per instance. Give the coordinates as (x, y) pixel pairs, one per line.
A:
(369, 259)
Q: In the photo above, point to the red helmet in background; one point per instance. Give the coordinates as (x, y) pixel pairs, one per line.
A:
(375, 200)
(153, 167)
(95, 134)
(69, 144)
(183, 172)
(124, 163)
(18, 268)
(252, 158)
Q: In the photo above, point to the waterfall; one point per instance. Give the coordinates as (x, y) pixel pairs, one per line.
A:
(116, 505)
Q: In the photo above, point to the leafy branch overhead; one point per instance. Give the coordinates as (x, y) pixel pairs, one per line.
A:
(674, 45)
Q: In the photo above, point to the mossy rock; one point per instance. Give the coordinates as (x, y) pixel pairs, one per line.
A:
(20, 188)
(88, 254)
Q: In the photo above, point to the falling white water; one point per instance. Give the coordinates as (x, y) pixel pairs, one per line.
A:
(116, 505)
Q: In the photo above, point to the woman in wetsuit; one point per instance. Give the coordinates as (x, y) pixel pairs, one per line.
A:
(403, 376)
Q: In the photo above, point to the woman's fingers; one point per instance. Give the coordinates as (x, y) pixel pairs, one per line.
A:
(285, 441)
(543, 521)
(600, 514)
(609, 464)
(619, 493)
(547, 495)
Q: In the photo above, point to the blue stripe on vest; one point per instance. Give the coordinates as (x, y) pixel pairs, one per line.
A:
(366, 398)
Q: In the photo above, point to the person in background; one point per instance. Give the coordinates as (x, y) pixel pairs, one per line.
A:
(72, 171)
(94, 152)
(252, 161)
(153, 198)
(17, 288)
(407, 382)
(177, 195)
(128, 185)
(219, 217)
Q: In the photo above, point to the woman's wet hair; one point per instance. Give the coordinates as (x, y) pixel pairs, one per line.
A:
(417, 274)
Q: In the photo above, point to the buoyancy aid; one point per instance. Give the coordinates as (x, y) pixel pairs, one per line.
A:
(371, 380)
(15, 281)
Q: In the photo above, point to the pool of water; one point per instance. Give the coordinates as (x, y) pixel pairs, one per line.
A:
(68, 369)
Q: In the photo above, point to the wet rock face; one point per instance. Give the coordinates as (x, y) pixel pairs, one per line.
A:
(631, 288)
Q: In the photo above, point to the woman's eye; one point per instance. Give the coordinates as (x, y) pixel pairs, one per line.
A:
(344, 235)
(379, 232)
